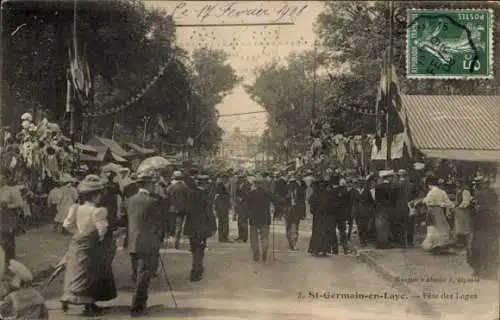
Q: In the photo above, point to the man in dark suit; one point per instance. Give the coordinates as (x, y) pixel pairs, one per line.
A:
(259, 201)
(200, 225)
(339, 212)
(241, 208)
(222, 202)
(178, 196)
(363, 209)
(297, 196)
(145, 232)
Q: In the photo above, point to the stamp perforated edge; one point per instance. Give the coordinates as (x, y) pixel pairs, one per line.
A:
(490, 76)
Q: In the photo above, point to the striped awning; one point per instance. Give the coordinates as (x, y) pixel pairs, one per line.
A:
(450, 125)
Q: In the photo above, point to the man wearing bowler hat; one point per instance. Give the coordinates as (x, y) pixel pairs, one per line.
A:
(200, 225)
(178, 196)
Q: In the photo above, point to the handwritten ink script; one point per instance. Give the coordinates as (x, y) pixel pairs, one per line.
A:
(236, 12)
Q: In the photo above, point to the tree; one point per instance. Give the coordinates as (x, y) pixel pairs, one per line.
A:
(285, 91)
(115, 33)
(357, 32)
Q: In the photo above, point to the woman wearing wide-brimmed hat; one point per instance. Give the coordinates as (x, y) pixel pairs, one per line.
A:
(84, 283)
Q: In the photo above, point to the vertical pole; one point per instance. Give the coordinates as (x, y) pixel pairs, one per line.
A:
(389, 90)
(2, 88)
(113, 129)
(313, 110)
(145, 119)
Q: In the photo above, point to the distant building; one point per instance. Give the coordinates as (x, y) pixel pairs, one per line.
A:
(239, 149)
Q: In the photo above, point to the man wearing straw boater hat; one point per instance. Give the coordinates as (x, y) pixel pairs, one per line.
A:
(146, 228)
(19, 299)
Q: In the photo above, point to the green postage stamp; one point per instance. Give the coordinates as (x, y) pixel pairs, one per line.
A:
(449, 44)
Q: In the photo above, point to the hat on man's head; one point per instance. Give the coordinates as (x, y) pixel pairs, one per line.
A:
(386, 173)
(177, 175)
(146, 175)
(418, 166)
(67, 178)
(402, 172)
(202, 178)
(90, 183)
(479, 179)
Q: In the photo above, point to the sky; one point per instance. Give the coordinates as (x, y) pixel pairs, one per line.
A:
(248, 46)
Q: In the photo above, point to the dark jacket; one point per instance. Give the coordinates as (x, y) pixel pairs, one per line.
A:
(259, 201)
(241, 205)
(200, 221)
(178, 196)
(318, 201)
(297, 190)
(386, 195)
(110, 202)
(222, 200)
(280, 191)
(339, 202)
(364, 205)
(146, 223)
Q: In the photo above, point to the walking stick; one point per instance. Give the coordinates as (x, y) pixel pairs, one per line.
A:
(273, 240)
(168, 281)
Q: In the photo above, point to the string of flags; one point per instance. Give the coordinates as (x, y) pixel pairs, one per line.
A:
(366, 112)
(133, 99)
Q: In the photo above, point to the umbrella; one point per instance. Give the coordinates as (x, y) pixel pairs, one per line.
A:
(153, 163)
(58, 269)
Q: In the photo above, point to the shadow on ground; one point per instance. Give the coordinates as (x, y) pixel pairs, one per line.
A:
(161, 311)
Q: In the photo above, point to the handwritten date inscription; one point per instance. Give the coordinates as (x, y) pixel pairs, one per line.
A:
(232, 12)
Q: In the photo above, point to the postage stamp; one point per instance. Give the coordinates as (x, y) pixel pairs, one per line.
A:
(446, 43)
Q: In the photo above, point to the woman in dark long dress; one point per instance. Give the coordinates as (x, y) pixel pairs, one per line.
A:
(482, 254)
(318, 245)
(88, 278)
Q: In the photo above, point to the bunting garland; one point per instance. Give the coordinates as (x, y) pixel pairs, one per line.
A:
(133, 99)
(366, 112)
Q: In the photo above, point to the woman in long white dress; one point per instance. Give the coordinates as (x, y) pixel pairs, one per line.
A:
(438, 236)
(83, 282)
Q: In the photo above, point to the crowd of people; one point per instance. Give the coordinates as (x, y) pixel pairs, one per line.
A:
(384, 209)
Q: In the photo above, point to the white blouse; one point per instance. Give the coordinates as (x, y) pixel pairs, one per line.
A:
(84, 219)
(437, 197)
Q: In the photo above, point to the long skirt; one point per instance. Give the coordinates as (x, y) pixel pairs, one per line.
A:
(462, 221)
(438, 232)
(85, 271)
(382, 228)
(319, 242)
(482, 255)
(106, 280)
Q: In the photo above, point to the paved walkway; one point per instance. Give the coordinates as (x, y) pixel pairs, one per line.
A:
(40, 249)
(442, 283)
(234, 287)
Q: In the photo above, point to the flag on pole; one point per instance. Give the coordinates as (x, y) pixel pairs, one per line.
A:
(80, 73)
(391, 110)
(162, 125)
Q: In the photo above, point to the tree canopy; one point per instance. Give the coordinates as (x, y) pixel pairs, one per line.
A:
(126, 43)
(355, 34)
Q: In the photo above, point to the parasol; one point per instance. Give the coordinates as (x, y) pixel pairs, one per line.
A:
(153, 163)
